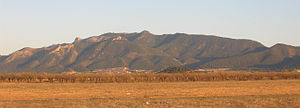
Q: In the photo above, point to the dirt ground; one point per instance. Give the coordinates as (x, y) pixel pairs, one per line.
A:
(267, 93)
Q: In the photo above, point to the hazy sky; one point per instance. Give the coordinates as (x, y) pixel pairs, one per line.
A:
(38, 23)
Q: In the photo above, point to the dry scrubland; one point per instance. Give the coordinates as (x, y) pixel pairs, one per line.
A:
(133, 78)
(165, 90)
(267, 93)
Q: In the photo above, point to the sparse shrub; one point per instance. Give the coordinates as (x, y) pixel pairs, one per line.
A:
(132, 78)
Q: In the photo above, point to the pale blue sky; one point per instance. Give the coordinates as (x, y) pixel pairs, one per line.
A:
(38, 23)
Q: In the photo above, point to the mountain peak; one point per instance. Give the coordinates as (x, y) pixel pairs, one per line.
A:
(26, 48)
(281, 45)
(77, 40)
(145, 32)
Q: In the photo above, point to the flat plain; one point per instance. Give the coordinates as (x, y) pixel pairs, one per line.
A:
(263, 93)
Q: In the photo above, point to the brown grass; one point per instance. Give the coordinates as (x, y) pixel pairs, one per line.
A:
(267, 93)
(132, 78)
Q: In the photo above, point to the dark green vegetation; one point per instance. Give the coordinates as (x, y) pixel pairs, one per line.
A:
(132, 78)
(177, 69)
(146, 51)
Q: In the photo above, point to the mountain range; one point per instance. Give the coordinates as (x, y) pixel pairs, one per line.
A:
(147, 51)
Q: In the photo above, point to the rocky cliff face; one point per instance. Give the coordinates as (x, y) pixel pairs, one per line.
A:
(145, 51)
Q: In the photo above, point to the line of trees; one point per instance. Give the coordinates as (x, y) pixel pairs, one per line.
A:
(132, 78)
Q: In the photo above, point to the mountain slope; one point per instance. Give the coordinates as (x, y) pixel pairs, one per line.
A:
(109, 54)
(1, 58)
(195, 48)
(274, 57)
(199, 48)
(146, 51)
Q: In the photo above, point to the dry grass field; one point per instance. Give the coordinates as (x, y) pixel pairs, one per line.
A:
(264, 93)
